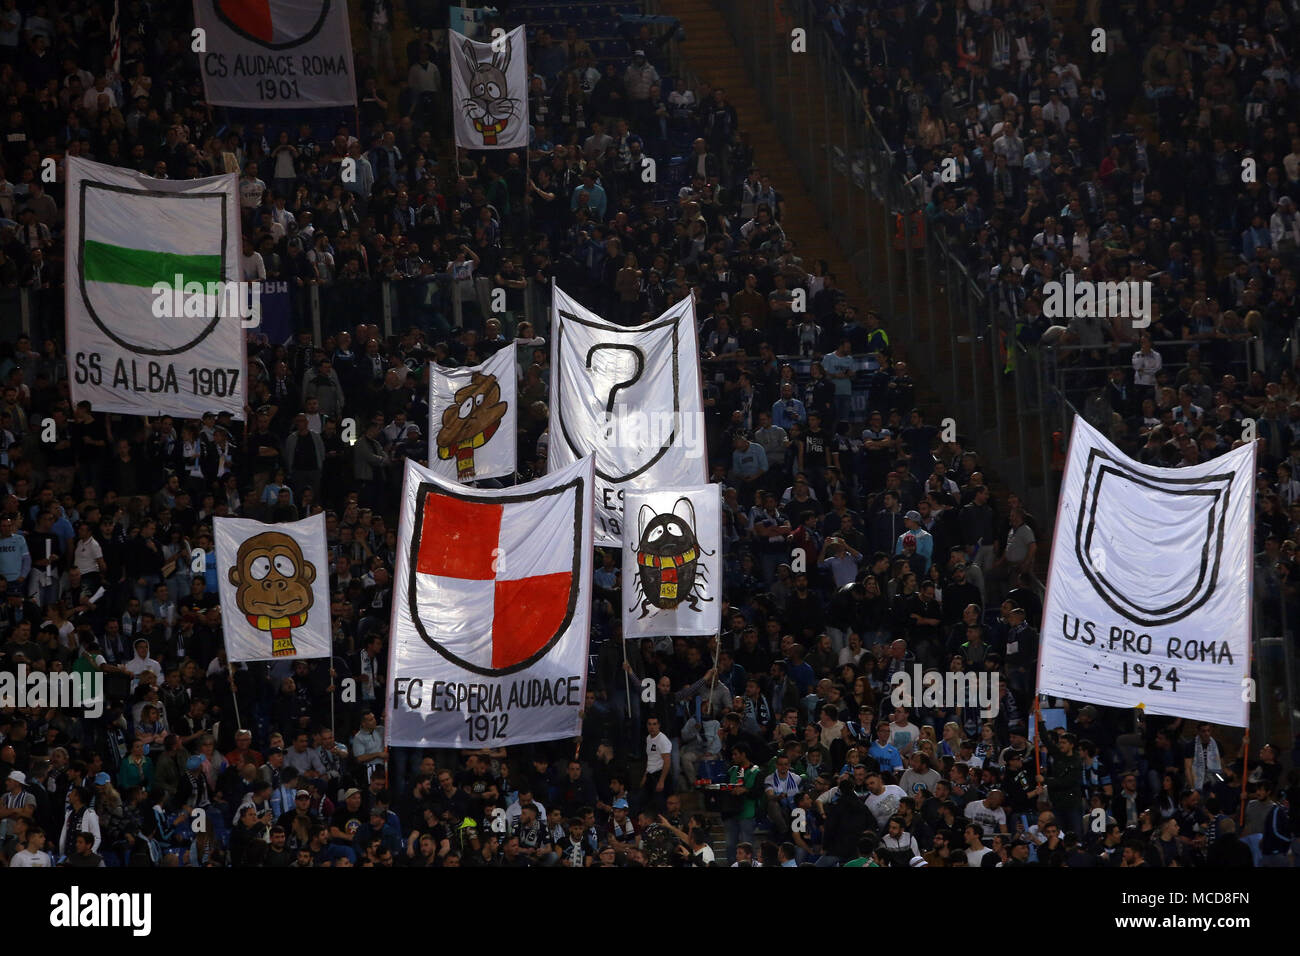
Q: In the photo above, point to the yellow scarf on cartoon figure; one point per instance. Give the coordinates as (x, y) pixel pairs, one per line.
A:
(280, 629)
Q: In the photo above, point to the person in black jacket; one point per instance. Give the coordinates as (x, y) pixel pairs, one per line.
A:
(846, 821)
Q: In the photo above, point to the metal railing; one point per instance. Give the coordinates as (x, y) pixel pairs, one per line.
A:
(931, 305)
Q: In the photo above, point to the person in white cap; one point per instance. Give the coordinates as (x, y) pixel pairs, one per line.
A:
(17, 803)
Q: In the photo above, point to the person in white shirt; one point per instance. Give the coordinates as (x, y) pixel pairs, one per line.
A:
(1147, 363)
(903, 734)
(988, 813)
(142, 662)
(655, 779)
(883, 799)
(975, 848)
(34, 855)
(782, 786)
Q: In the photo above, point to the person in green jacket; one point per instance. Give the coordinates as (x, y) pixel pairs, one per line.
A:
(137, 769)
(740, 821)
(1064, 781)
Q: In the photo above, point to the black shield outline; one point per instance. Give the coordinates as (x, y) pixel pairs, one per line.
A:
(288, 44)
(677, 387)
(86, 185)
(422, 496)
(1211, 549)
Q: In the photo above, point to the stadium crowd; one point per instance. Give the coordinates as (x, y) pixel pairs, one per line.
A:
(857, 544)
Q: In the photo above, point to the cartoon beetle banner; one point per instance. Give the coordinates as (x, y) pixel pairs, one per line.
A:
(472, 414)
(489, 83)
(672, 563)
(274, 585)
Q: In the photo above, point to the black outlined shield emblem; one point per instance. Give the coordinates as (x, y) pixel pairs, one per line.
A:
(494, 582)
(274, 24)
(618, 389)
(1132, 539)
(120, 257)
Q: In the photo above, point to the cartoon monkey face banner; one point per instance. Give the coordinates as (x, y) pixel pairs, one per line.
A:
(488, 91)
(472, 414)
(274, 582)
(672, 562)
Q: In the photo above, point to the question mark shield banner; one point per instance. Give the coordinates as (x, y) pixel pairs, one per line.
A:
(631, 396)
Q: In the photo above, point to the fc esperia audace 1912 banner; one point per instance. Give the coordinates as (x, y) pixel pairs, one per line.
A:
(491, 610)
(672, 562)
(632, 397)
(274, 586)
(128, 236)
(489, 91)
(1148, 596)
(276, 54)
(472, 415)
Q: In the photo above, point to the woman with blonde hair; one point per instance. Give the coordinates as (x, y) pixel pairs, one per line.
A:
(950, 746)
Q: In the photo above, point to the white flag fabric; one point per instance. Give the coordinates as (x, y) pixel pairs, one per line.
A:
(1148, 596)
(672, 562)
(276, 54)
(274, 586)
(489, 91)
(472, 416)
(632, 397)
(130, 349)
(491, 611)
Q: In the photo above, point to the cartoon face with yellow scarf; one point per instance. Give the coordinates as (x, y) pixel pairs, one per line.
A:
(273, 583)
(470, 421)
(490, 105)
(669, 572)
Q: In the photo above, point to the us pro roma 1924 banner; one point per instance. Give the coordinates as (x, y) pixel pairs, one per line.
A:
(128, 235)
(472, 415)
(274, 586)
(491, 610)
(1148, 596)
(276, 54)
(672, 562)
(489, 91)
(632, 397)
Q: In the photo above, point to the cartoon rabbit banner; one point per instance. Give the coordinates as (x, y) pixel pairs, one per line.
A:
(489, 92)
(472, 415)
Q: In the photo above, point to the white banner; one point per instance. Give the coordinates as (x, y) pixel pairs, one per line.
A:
(131, 349)
(672, 562)
(1148, 597)
(274, 586)
(489, 91)
(491, 611)
(276, 54)
(632, 397)
(472, 415)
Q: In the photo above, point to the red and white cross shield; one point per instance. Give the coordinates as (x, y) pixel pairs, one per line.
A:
(275, 24)
(494, 582)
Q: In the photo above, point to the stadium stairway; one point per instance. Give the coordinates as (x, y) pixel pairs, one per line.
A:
(712, 55)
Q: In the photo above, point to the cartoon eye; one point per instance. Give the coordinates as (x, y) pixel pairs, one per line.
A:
(466, 407)
(675, 529)
(285, 566)
(260, 568)
(478, 89)
(655, 535)
(493, 90)
(478, 399)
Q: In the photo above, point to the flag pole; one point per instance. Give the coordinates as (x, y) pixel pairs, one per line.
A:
(1245, 766)
(234, 693)
(627, 677)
